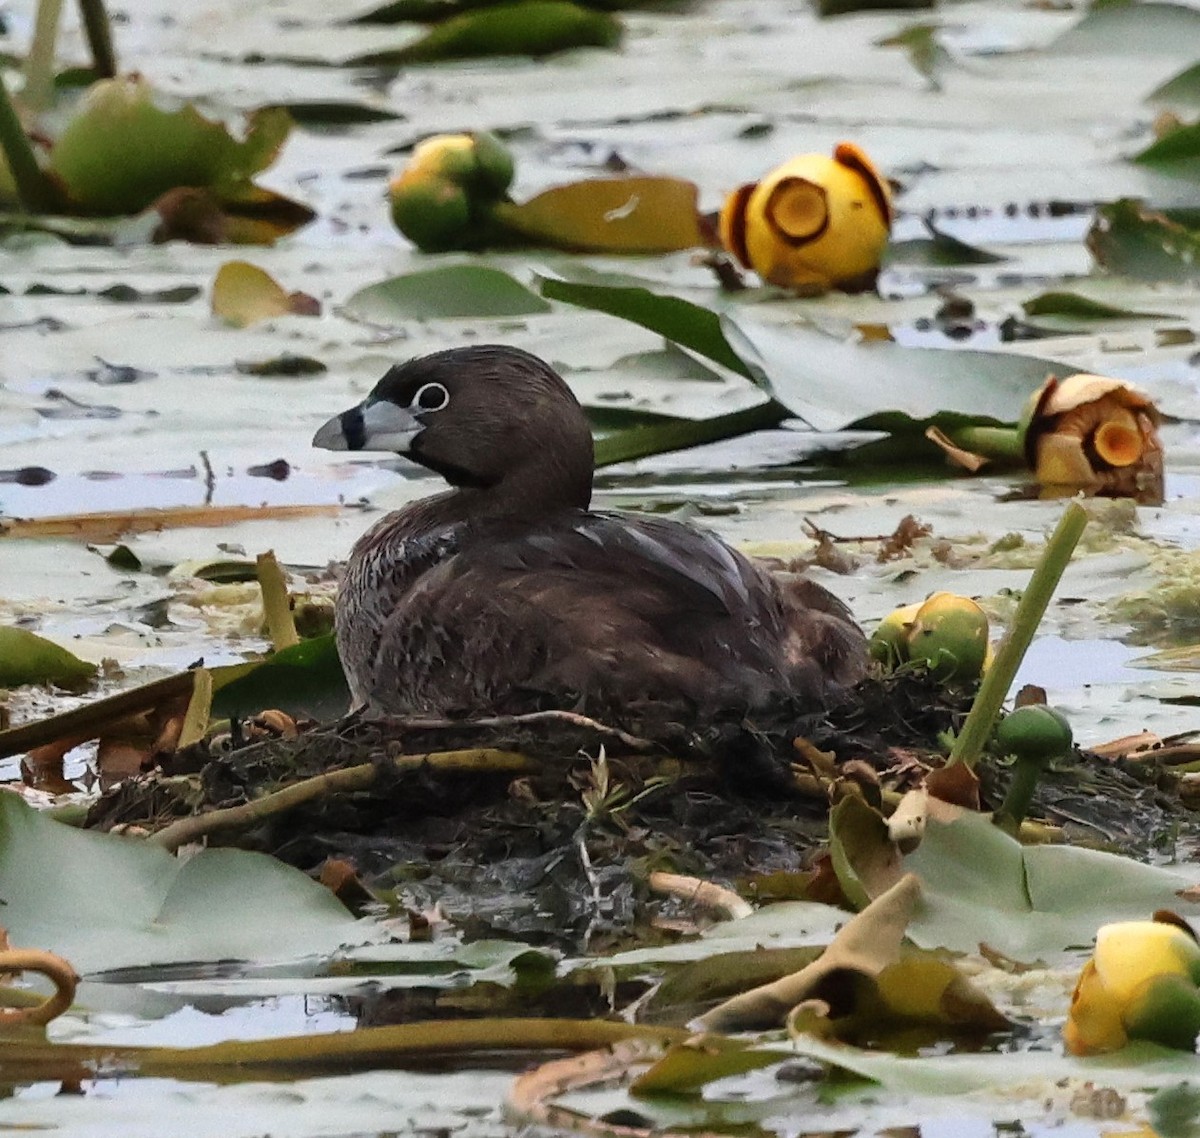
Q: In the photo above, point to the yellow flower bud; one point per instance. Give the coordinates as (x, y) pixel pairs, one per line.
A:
(1140, 984)
(950, 635)
(812, 223)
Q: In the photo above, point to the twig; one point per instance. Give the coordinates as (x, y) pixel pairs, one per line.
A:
(98, 29)
(277, 608)
(359, 777)
(56, 969)
(570, 718)
(706, 894)
(977, 729)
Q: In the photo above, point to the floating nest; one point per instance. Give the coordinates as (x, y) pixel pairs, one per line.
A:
(546, 826)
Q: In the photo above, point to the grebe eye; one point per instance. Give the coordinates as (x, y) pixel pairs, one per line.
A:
(430, 397)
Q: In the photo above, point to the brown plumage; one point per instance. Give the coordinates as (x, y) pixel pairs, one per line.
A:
(508, 593)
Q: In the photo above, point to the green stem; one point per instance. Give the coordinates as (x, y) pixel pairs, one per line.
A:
(33, 188)
(1006, 444)
(641, 442)
(977, 730)
(39, 64)
(1025, 775)
(98, 29)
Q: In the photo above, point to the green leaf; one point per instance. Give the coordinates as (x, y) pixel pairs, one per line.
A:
(106, 902)
(612, 215)
(938, 250)
(683, 434)
(532, 28)
(1177, 148)
(445, 293)
(1127, 237)
(121, 151)
(687, 324)
(305, 679)
(1073, 306)
(26, 658)
(1182, 90)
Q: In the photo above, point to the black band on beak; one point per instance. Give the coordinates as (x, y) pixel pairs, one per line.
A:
(354, 429)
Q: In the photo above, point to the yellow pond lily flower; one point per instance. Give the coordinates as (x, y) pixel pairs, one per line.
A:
(812, 223)
(1096, 434)
(1141, 983)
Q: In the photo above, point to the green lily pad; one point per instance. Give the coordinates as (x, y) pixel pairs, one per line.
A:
(531, 28)
(939, 250)
(1072, 306)
(121, 151)
(450, 292)
(1131, 27)
(26, 658)
(1130, 238)
(1177, 151)
(305, 679)
(1182, 90)
(611, 215)
(106, 902)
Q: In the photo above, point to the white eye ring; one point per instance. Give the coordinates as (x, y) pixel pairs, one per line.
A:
(436, 394)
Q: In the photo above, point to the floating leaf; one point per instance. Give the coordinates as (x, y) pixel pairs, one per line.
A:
(121, 151)
(105, 902)
(1130, 238)
(445, 293)
(938, 250)
(1183, 89)
(305, 679)
(531, 28)
(26, 658)
(611, 215)
(243, 294)
(1177, 147)
(1072, 306)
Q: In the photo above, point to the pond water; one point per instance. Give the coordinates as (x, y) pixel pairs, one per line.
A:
(104, 406)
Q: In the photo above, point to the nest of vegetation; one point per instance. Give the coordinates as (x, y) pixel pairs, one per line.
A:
(546, 826)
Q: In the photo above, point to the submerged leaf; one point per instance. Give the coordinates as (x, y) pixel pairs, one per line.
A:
(445, 293)
(614, 215)
(26, 658)
(1130, 238)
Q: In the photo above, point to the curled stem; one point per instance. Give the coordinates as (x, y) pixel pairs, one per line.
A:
(977, 730)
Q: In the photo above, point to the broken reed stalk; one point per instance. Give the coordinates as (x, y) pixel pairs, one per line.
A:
(33, 187)
(660, 438)
(479, 760)
(98, 29)
(39, 63)
(981, 719)
(277, 606)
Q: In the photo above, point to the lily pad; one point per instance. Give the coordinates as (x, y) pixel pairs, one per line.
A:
(1073, 306)
(305, 679)
(1131, 27)
(531, 28)
(1177, 149)
(26, 658)
(243, 294)
(445, 293)
(1182, 90)
(612, 215)
(106, 902)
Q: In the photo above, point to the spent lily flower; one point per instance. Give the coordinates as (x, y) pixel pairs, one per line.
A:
(813, 223)
(1141, 983)
(946, 632)
(443, 197)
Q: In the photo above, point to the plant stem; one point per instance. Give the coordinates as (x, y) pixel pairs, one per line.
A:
(39, 64)
(33, 188)
(977, 730)
(1025, 775)
(641, 442)
(1000, 443)
(98, 29)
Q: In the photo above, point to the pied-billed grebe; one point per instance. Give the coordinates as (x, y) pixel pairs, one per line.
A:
(507, 593)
